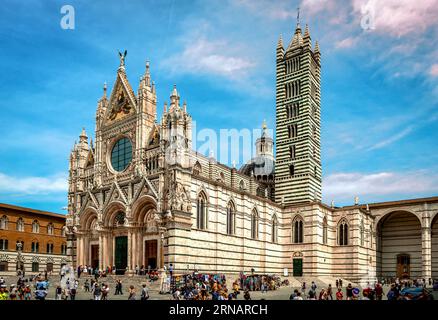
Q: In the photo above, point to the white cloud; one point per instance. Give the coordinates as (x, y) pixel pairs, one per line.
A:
(391, 139)
(204, 56)
(344, 186)
(346, 43)
(434, 70)
(33, 185)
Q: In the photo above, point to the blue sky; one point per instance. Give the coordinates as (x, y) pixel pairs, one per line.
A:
(379, 83)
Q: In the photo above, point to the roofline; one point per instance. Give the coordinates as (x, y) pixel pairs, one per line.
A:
(30, 210)
(394, 203)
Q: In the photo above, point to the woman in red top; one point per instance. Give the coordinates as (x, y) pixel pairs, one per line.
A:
(339, 294)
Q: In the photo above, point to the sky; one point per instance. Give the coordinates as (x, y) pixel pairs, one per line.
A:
(379, 83)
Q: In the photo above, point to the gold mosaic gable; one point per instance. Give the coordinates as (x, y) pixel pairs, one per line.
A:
(122, 101)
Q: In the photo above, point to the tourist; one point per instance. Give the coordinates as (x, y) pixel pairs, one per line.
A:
(339, 294)
(171, 270)
(246, 295)
(379, 291)
(312, 295)
(313, 286)
(58, 292)
(349, 291)
(118, 287)
(330, 292)
(337, 283)
(105, 291)
(303, 288)
(86, 286)
(72, 293)
(3, 293)
(27, 293)
(293, 295)
(298, 296)
(41, 291)
(97, 292)
(131, 293)
(144, 292)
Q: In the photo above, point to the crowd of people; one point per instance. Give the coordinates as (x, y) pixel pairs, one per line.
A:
(261, 283)
(399, 290)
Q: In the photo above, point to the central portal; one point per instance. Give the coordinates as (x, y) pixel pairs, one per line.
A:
(121, 254)
(150, 253)
(403, 266)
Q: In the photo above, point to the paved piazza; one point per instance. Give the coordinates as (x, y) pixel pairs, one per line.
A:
(282, 293)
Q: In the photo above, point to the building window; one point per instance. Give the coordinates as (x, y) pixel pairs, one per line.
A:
(298, 230)
(35, 267)
(254, 225)
(35, 226)
(35, 247)
(3, 244)
(291, 170)
(121, 155)
(4, 223)
(49, 248)
(201, 212)
(20, 225)
(324, 231)
(3, 266)
(242, 185)
(231, 219)
(292, 131)
(343, 233)
(50, 229)
(49, 267)
(292, 151)
(274, 232)
(63, 249)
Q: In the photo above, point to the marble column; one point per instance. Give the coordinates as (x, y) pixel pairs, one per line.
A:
(129, 250)
(101, 253)
(426, 249)
(79, 249)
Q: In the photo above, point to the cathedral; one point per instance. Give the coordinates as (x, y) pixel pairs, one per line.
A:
(140, 195)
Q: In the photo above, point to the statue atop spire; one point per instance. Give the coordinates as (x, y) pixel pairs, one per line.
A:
(122, 59)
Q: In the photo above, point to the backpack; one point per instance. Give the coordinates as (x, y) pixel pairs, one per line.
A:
(144, 294)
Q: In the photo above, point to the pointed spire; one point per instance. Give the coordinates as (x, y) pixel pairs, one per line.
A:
(165, 107)
(316, 47)
(298, 19)
(174, 99)
(307, 32)
(147, 75)
(280, 42)
(104, 89)
(185, 106)
(83, 136)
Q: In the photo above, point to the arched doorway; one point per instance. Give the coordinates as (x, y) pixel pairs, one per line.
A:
(434, 238)
(399, 246)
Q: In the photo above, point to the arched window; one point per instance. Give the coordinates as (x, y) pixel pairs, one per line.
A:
(50, 228)
(343, 233)
(324, 231)
(197, 169)
(231, 218)
(201, 212)
(274, 232)
(362, 230)
(242, 185)
(63, 249)
(254, 224)
(35, 246)
(35, 226)
(20, 224)
(4, 223)
(3, 244)
(49, 248)
(298, 230)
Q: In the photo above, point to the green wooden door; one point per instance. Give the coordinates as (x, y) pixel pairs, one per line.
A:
(298, 267)
(121, 254)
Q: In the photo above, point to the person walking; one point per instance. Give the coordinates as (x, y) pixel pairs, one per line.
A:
(58, 293)
(72, 293)
(330, 292)
(144, 292)
(339, 294)
(97, 292)
(86, 286)
(131, 293)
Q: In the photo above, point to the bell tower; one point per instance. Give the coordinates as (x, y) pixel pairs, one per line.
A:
(298, 120)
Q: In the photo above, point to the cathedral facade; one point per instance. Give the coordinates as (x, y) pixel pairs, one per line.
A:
(139, 195)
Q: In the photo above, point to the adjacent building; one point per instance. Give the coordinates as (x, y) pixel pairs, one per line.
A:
(139, 195)
(31, 240)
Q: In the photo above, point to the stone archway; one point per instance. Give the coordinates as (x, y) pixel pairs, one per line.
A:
(399, 247)
(434, 244)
